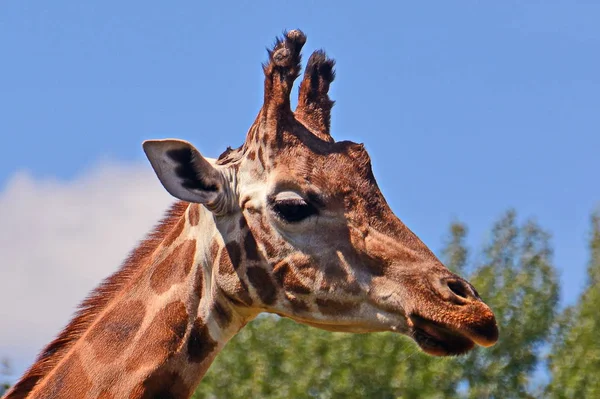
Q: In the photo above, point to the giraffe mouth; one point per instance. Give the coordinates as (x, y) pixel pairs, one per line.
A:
(441, 339)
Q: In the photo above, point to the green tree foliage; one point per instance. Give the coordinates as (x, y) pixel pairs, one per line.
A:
(277, 358)
(575, 358)
(517, 279)
(455, 253)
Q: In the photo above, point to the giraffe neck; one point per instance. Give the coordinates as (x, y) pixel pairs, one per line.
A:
(160, 330)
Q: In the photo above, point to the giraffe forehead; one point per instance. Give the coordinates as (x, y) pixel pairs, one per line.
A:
(267, 147)
(340, 162)
(319, 177)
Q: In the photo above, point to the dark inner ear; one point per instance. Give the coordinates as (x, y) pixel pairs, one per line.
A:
(188, 168)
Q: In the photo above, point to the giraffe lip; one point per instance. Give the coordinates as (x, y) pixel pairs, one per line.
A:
(438, 339)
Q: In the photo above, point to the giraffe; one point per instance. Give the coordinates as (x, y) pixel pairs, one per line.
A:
(291, 223)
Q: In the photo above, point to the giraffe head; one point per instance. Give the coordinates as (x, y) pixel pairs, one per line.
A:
(305, 232)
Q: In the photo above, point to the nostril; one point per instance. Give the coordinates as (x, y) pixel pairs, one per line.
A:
(454, 289)
(459, 288)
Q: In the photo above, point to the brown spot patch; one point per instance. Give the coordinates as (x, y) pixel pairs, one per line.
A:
(269, 249)
(305, 268)
(113, 333)
(194, 214)
(162, 338)
(335, 272)
(214, 248)
(173, 234)
(333, 307)
(225, 265)
(374, 266)
(200, 344)
(261, 158)
(352, 287)
(251, 247)
(243, 294)
(333, 277)
(105, 394)
(235, 254)
(240, 296)
(174, 268)
(222, 314)
(260, 279)
(297, 304)
(286, 277)
(69, 381)
(199, 281)
(161, 384)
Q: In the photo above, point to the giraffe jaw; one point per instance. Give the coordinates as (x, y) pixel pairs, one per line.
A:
(341, 327)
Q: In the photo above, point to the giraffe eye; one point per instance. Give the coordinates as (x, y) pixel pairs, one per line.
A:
(293, 210)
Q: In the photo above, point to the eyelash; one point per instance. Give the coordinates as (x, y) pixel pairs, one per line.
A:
(294, 210)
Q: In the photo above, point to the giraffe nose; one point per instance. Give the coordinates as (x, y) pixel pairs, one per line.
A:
(457, 290)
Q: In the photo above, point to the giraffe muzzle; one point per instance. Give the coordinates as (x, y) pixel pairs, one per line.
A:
(456, 321)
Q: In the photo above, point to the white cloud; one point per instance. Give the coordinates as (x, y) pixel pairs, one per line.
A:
(59, 239)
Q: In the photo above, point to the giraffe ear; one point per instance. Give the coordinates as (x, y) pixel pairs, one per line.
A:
(183, 172)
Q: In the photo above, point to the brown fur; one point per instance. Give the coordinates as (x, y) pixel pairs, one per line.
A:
(168, 272)
(242, 293)
(194, 214)
(333, 307)
(95, 303)
(261, 280)
(250, 247)
(199, 282)
(70, 381)
(162, 338)
(161, 384)
(214, 249)
(235, 254)
(285, 277)
(175, 233)
(222, 314)
(304, 268)
(113, 333)
(269, 249)
(200, 343)
(106, 395)
(335, 276)
(297, 304)
(225, 264)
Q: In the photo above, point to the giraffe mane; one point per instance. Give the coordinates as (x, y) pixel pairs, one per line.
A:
(95, 303)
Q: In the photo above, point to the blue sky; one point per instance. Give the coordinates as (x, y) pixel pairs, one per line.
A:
(467, 108)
